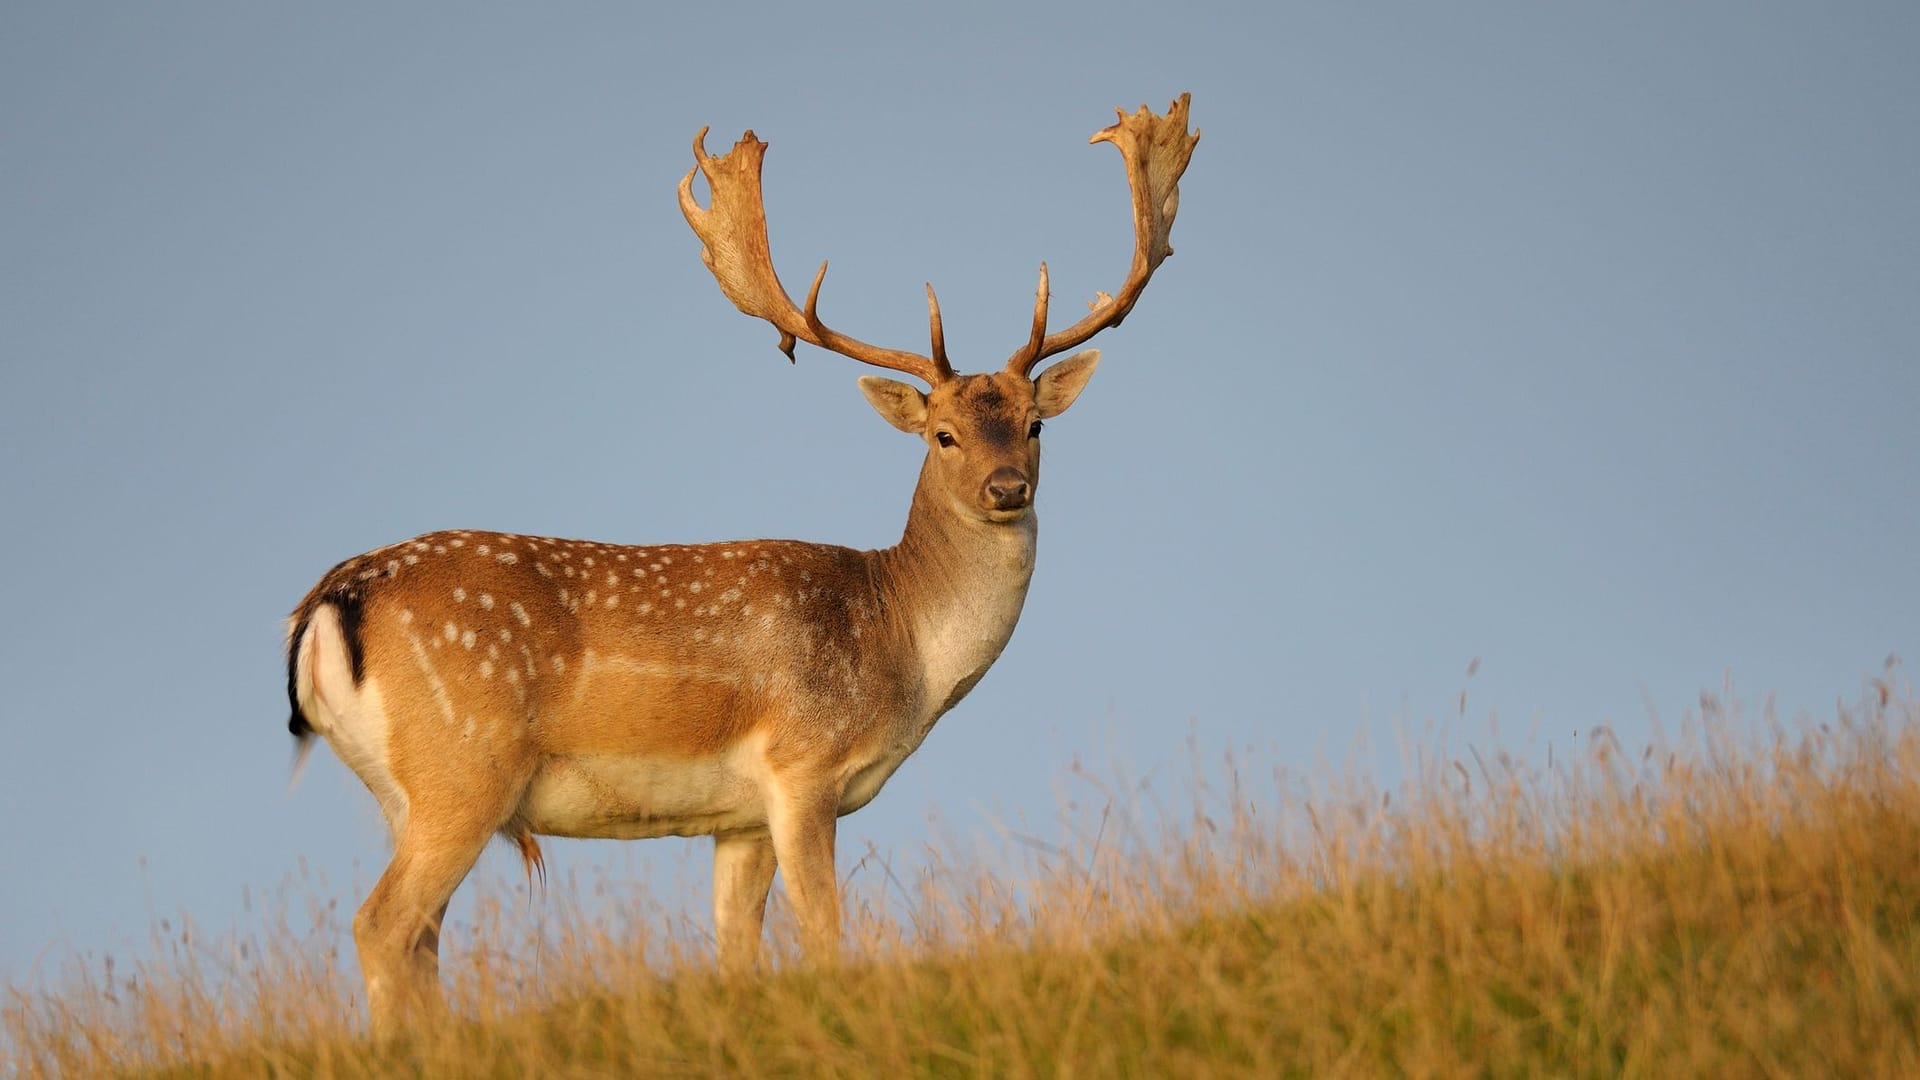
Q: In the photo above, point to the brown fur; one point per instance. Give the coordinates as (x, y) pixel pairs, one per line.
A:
(484, 683)
(501, 659)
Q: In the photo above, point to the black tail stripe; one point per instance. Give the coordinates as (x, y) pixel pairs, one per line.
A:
(349, 605)
(296, 720)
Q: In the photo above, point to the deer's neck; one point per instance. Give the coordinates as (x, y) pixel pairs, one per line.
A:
(955, 585)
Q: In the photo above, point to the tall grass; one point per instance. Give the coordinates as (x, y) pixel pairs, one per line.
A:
(1743, 899)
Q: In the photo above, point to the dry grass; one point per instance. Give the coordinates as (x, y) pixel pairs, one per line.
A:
(1742, 902)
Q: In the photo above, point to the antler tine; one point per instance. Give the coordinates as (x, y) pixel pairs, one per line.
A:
(733, 237)
(1156, 150)
(1030, 355)
(939, 333)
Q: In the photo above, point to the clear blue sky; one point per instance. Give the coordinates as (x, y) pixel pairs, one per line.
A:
(1583, 342)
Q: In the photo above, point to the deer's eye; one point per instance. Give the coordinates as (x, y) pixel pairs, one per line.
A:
(944, 438)
(1034, 431)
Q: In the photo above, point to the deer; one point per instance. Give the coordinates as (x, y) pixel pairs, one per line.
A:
(485, 684)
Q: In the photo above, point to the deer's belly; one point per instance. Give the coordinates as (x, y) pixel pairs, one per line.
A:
(626, 797)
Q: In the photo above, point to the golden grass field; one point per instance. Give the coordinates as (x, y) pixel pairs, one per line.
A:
(1742, 899)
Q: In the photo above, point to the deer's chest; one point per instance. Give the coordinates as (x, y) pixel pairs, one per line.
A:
(957, 645)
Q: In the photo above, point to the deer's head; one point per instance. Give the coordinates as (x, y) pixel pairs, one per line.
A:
(982, 431)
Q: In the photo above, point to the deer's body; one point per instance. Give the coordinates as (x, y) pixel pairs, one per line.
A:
(699, 697)
(488, 683)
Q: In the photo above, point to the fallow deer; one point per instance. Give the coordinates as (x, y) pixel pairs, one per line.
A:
(484, 683)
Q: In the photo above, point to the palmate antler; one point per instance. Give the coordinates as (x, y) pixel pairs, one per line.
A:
(733, 233)
(1156, 150)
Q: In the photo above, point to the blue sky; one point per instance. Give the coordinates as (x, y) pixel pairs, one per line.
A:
(1581, 342)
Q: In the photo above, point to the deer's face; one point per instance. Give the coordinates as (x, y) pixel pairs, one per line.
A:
(983, 431)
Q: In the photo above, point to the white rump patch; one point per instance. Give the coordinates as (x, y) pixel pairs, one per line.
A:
(352, 719)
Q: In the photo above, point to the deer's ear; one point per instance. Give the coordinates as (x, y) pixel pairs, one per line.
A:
(903, 406)
(1059, 385)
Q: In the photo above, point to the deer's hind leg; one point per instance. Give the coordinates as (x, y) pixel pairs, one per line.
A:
(397, 930)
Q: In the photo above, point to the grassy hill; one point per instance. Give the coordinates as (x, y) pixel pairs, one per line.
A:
(1743, 903)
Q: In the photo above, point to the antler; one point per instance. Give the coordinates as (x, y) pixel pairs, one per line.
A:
(734, 238)
(1156, 149)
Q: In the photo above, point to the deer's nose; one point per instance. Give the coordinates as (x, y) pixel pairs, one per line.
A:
(1007, 489)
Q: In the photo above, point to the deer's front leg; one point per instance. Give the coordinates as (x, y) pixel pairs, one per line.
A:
(801, 816)
(742, 873)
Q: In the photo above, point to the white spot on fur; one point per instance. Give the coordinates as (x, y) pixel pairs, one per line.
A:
(434, 683)
(468, 639)
(451, 631)
(486, 601)
(519, 612)
(459, 594)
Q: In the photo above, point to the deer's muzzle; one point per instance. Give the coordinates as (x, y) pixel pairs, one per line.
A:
(1007, 489)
